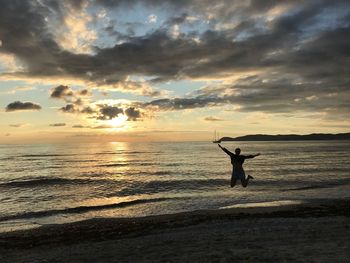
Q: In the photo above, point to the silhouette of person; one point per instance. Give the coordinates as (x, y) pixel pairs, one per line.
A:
(237, 161)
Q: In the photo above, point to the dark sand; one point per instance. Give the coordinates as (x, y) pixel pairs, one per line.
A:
(317, 232)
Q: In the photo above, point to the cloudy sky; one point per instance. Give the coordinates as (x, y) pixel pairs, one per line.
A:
(104, 70)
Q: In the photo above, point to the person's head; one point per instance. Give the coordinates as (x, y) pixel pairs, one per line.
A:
(237, 151)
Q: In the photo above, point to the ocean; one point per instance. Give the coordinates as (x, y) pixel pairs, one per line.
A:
(60, 183)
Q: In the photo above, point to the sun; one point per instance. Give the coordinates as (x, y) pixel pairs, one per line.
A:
(119, 121)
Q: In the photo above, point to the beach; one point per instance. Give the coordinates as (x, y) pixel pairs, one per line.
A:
(308, 232)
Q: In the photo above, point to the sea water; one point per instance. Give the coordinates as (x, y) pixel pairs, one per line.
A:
(59, 183)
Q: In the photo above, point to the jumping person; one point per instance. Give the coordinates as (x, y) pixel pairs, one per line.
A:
(237, 161)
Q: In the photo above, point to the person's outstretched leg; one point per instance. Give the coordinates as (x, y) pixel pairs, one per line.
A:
(246, 181)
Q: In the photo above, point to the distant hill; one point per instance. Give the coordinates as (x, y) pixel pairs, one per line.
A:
(288, 137)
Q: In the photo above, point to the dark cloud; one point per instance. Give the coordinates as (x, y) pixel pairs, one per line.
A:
(18, 105)
(132, 114)
(60, 124)
(211, 118)
(177, 20)
(184, 103)
(279, 95)
(78, 101)
(87, 110)
(61, 91)
(31, 39)
(69, 108)
(84, 92)
(109, 112)
(18, 125)
(158, 53)
(75, 99)
(105, 112)
(77, 108)
(180, 4)
(103, 126)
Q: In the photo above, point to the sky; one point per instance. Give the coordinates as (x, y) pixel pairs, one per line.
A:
(163, 70)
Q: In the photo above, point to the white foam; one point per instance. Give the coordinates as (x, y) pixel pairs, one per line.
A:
(264, 204)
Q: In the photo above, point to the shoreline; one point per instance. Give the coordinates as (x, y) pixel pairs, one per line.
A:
(200, 233)
(114, 227)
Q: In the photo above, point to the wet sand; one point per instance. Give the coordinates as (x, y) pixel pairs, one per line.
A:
(311, 232)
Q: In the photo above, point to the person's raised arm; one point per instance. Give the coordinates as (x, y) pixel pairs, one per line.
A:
(225, 150)
(252, 155)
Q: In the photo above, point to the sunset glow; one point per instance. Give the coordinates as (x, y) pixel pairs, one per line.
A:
(119, 122)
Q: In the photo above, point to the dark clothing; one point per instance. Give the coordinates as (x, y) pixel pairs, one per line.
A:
(237, 159)
(237, 162)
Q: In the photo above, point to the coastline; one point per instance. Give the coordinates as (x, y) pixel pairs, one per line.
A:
(315, 223)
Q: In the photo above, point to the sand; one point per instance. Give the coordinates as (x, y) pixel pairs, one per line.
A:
(312, 232)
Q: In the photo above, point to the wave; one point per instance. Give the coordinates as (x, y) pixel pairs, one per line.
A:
(326, 184)
(140, 172)
(126, 152)
(162, 173)
(46, 155)
(113, 165)
(7, 158)
(44, 182)
(310, 187)
(80, 161)
(174, 164)
(159, 186)
(81, 209)
(145, 163)
(139, 186)
(131, 163)
(135, 185)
